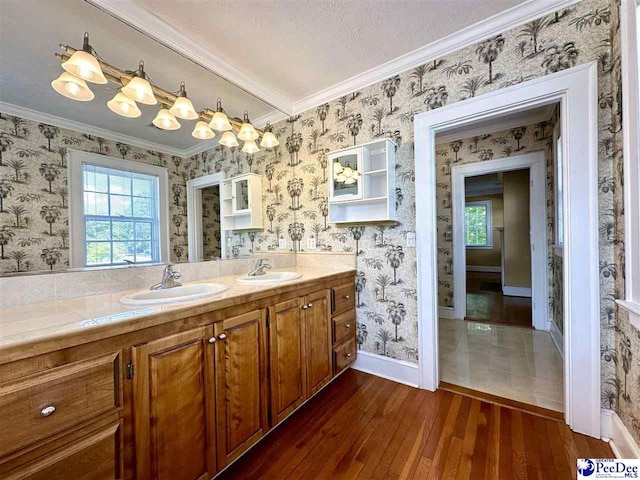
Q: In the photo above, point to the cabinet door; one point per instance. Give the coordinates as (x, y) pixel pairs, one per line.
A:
(318, 333)
(173, 407)
(287, 347)
(241, 194)
(345, 182)
(241, 384)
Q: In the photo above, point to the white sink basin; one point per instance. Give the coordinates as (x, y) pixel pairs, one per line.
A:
(186, 293)
(269, 278)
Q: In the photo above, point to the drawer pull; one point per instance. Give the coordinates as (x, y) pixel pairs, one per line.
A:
(347, 297)
(348, 355)
(310, 305)
(212, 340)
(47, 411)
(222, 336)
(348, 325)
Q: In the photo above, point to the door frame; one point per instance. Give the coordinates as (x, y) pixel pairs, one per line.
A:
(194, 214)
(536, 163)
(576, 91)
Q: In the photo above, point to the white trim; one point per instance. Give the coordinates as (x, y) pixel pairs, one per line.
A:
(447, 312)
(56, 121)
(631, 147)
(75, 158)
(488, 27)
(510, 291)
(539, 116)
(616, 433)
(633, 310)
(484, 268)
(576, 90)
(536, 163)
(386, 367)
(556, 336)
(163, 32)
(194, 214)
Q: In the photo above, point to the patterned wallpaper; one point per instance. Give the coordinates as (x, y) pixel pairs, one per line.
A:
(211, 222)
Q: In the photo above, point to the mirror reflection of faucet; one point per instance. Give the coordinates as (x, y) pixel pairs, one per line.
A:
(169, 277)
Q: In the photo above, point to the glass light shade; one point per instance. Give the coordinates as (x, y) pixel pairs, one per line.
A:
(220, 122)
(337, 167)
(341, 178)
(165, 120)
(228, 139)
(269, 140)
(84, 65)
(247, 133)
(250, 147)
(183, 108)
(139, 89)
(347, 172)
(72, 87)
(350, 181)
(202, 131)
(124, 106)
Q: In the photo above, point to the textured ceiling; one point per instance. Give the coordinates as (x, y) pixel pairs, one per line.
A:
(30, 31)
(299, 47)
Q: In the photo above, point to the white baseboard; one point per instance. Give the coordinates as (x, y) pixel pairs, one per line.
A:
(616, 433)
(389, 368)
(446, 312)
(484, 268)
(556, 336)
(516, 291)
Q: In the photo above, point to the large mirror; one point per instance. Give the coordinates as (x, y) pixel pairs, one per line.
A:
(92, 174)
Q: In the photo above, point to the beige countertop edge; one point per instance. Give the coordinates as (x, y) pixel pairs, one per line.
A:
(22, 348)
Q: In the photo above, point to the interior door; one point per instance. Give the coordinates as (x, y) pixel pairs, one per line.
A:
(318, 336)
(241, 384)
(287, 347)
(173, 407)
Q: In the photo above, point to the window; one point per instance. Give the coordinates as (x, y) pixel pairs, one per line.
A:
(117, 214)
(477, 224)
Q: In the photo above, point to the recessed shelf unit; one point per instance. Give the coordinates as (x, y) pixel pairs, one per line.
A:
(241, 198)
(362, 183)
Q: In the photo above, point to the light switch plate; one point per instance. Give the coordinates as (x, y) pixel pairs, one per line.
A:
(282, 243)
(311, 243)
(411, 239)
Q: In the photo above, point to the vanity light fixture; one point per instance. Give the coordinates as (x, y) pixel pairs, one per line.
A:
(202, 131)
(72, 87)
(83, 64)
(247, 132)
(337, 167)
(269, 140)
(219, 120)
(165, 120)
(139, 88)
(250, 147)
(340, 178)
(182, 107)
(228, 139)
(124, 106)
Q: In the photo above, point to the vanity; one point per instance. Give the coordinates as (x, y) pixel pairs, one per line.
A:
(174, 391)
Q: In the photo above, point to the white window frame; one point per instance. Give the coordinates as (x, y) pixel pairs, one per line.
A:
(480, 203)
(76, 158)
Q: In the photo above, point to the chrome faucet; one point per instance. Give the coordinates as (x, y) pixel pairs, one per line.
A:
(260, 267)
(169, 278)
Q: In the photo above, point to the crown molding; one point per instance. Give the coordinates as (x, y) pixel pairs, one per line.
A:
(149, 24)
(494, 25)
(54, 120)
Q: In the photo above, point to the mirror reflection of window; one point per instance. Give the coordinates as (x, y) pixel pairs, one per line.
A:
(345, 175)
(211, 237)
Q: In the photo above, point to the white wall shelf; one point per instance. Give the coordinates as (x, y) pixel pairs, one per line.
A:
(370, 197)
(242, 202)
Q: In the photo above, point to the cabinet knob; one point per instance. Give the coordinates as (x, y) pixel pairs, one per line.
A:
(310, 305)
(222, 336)
(348, 325)
(347, 297)
(348, 355)
(46, 411)
(304, 307)
(212, 340)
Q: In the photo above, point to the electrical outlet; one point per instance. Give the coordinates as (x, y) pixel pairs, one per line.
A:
(311, 243)
(282, 243)
(411, 239)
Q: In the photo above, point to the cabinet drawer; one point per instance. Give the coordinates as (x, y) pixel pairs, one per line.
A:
(344, 326)
(34, 407)
(343, 297)
(344, 354)
(94, 457)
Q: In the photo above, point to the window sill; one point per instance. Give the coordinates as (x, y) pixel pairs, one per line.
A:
(479, 247)
(634, 312)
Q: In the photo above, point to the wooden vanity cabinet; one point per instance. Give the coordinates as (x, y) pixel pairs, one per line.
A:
(344, 326)
(173, 404)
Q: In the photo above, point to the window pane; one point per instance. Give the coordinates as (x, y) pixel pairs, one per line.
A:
(143, 231)
(98, 230)
(142, 207)
(141, 187)
(119, 185)
(96, 203)
(98, 253)
(122, 230)
(143, 252)
(120, 206)
(95, 181)
(123, 251)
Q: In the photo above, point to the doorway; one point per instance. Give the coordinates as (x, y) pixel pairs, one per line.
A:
(205, 232)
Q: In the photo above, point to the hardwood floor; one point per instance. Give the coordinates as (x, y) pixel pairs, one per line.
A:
(492, 306)
(366, 427)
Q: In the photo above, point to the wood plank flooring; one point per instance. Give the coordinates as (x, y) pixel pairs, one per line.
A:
(494, 307)
(366, 427)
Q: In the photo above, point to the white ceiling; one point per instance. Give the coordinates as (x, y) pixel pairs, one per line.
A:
(300, 47)
(30, 31)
